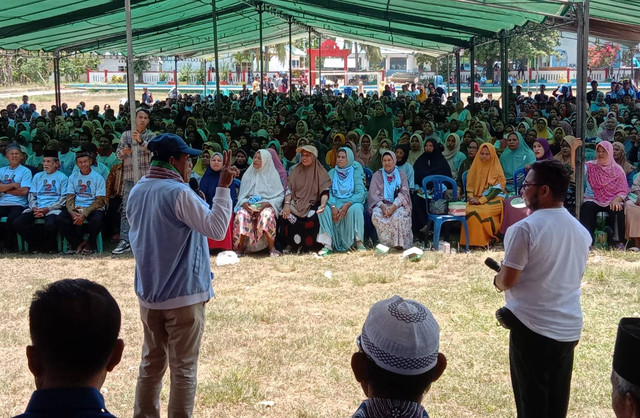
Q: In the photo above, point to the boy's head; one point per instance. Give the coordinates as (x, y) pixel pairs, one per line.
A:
(398, 354)
(74, 326)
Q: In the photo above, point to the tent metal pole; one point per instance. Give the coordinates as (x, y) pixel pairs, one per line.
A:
(204, 80)
(214, 18)
(310, 57)
(582, 15)
(290, 85)
(175, 74)
(472, 65)
(131, 85)
(56, 81)
(320, 60)
(458, 75)
(504, 75)
(261, 59)
(448, 75)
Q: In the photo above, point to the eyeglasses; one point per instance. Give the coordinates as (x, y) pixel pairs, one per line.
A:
(525, 185)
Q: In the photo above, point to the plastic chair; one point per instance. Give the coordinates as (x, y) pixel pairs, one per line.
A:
(58, 237)
(518, 175)
(369, 174)
(438, 220)
(464, 182)
(369, 229)
(18, 237)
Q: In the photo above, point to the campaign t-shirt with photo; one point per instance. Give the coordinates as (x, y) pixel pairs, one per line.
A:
(49, 187)
(20, 174)
(86, 187)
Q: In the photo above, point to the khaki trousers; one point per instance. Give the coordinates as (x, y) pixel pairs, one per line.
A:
(171, 337)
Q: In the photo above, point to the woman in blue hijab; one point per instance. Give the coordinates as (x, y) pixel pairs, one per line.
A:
(342, 227)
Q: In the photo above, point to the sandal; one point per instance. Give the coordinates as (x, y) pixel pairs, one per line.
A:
(87, 251)
(239, 254)
(275, 253)
(324, 252)
(361, 248)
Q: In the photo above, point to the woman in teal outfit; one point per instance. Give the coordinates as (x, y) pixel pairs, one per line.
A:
(516, 156)
(342, 227)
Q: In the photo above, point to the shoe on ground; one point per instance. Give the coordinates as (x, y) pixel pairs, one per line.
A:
(123, 247)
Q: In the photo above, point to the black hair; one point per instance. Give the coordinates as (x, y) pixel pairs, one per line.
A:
(89, 147)
(553, 174)
(74, 324)
(398, 386)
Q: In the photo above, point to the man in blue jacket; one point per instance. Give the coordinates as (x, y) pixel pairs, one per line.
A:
(169, 226)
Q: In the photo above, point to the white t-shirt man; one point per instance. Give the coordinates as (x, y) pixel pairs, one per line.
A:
(550, 247)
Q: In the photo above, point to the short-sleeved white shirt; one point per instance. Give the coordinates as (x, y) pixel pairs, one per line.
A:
(550, 247)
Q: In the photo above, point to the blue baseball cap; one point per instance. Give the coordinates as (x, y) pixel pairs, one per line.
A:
(170, 144)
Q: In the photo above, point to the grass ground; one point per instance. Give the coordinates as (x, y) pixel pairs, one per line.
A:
(283, 330)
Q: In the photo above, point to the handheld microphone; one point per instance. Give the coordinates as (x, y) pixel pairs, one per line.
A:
(492, 264)
(193, 183)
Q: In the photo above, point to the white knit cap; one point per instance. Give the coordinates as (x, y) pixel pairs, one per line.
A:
(401, 336)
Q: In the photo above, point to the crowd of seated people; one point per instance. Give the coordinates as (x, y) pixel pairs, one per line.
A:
(327, 172)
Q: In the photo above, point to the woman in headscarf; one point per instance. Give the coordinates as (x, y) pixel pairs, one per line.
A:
(620, 158)
(542, 129)
(485, 196)
(279, 167)
(202, 164)
(591, 134)
(402, 153)
(389, 203)
(342, 226)
(632, 215)
(422, 96)
(381, 135)
(608, 130)
(241, 162)
(415, 148)
(452, 153)
(306, 197)
(517, 155)
(472, 151)
(599, 106)
(430, 163)
(376, 161)
(606, 189)
(482, 133)
(567, 156)
(259, 203)
(379, 120)
(522, 128)
(430, 131)
(208, 186)
(462, 115)
(338, 141)
(365, 153)
(541, 150)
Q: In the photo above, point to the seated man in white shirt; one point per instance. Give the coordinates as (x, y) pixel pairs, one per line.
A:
(15, 181)
(86, 200)
(47, 197)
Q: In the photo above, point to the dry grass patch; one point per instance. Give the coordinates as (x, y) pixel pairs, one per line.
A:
(283, 330)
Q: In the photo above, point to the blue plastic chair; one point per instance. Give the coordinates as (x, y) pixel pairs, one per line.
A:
(18, 237)
(518, 177)
(369, 229)
(464, 182)
(369, 174)
(437, 182)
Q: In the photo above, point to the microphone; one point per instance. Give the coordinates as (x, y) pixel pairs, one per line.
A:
(492, 264)
(193, 183)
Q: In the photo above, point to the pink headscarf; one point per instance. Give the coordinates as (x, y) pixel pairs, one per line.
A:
(279, 167)
(607, 179)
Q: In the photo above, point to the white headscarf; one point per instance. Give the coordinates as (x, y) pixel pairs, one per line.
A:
(264, 182)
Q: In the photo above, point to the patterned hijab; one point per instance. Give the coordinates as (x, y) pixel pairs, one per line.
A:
(607, 179)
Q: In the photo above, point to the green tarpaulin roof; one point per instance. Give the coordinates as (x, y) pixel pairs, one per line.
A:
(178, 27)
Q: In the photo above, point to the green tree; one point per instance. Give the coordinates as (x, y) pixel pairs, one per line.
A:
(73, 68)
(32, 69)
(139, 66)
(185, 72)
(524, 44)
(374, 56)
